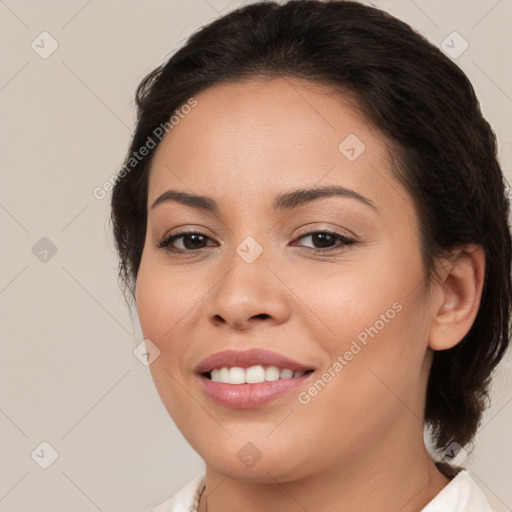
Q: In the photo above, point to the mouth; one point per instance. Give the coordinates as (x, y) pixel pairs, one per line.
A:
(257, 374)
(250, 379)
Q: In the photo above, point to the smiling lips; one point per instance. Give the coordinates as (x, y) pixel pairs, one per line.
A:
(251, 378)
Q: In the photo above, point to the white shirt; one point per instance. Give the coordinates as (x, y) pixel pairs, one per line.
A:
(462, 494)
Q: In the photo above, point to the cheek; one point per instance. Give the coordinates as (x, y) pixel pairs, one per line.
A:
(373, 323)
(349, 298)
(164, 299)
(163, 302)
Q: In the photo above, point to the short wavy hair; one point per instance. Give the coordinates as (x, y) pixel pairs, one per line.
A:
(443, 152)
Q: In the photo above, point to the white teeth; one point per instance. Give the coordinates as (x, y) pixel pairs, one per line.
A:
(272, 373)
(255, 374)
(223, 375)
(286, 374)
(251, 375)
(236, 375)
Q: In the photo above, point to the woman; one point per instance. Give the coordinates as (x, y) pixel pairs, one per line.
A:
(312, 222)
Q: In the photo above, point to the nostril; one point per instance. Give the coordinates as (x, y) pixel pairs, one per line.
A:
(261, 315)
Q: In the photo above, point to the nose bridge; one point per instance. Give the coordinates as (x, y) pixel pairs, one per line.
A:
(250, 250)
(249, 239)
(248, 275)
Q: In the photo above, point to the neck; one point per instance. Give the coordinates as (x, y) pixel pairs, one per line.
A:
(394, 476)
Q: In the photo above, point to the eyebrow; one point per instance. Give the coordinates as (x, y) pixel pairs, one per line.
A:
(284, 201)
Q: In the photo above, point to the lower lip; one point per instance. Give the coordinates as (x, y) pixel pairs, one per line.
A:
(250, 396)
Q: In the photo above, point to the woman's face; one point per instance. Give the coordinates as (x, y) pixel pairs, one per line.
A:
(356, 313)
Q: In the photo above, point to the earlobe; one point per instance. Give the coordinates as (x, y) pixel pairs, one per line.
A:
(459, 293)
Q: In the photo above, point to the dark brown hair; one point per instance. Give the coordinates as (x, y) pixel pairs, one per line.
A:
(444, 153)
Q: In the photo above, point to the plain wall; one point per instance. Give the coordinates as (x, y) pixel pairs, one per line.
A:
(67, 372)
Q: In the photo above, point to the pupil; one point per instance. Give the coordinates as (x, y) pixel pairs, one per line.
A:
(194, 237)
(322, 238)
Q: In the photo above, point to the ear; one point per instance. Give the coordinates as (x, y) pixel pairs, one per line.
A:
(457, 296)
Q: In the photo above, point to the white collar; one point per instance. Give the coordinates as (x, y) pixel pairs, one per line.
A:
(462, 494)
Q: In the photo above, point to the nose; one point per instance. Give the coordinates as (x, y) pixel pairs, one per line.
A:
(248, 295)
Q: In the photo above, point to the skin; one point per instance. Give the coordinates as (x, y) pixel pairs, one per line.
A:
(358, 444)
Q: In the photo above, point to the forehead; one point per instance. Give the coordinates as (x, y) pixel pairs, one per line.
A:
(267, 134)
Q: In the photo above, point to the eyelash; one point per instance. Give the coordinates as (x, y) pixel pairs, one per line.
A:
(166, 242)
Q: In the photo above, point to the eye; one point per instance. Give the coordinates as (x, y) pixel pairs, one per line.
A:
(325, 240)
(190, 241)
(194, 241)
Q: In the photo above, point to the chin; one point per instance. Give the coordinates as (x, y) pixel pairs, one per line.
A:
(261, 462)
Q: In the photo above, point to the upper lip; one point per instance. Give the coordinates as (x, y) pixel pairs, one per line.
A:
(247, 358)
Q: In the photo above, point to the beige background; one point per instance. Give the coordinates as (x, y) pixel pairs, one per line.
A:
(67, 372)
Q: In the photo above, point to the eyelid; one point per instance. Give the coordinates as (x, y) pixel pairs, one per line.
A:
(190, 228)
(335, 231)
